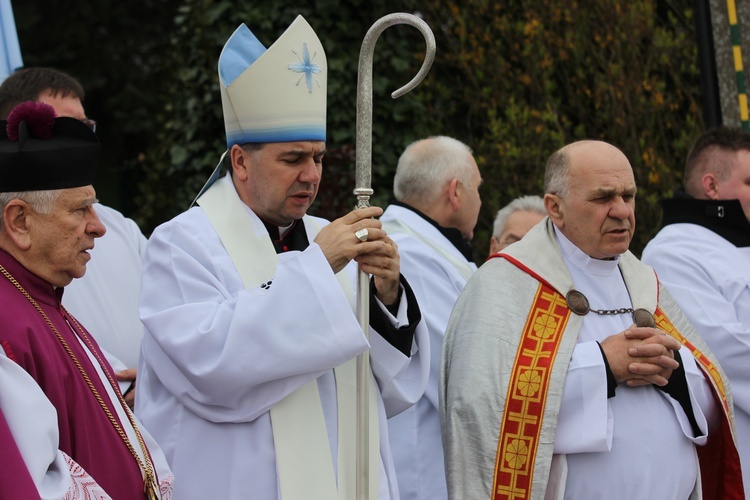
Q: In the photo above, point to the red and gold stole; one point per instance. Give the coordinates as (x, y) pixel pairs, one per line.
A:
(721, 477)
(527, 392)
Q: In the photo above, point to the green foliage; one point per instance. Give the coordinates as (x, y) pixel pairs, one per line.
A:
(517, 80)
(116, 50)
(191, 129)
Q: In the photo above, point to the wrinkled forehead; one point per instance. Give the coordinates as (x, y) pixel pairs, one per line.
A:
(600, 167)
(77, 195)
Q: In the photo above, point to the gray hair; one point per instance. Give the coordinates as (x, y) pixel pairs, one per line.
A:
(556, 178)
(523, 203)
(427, 165)
(41, 201)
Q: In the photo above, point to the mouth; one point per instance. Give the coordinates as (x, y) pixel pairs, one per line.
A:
(619, 233)
(302, 197)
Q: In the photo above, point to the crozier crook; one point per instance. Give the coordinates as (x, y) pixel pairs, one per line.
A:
(363, 191)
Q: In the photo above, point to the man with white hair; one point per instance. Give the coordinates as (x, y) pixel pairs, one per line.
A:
(47, 229)
(514, 220)
(110, 312)
(437, 191)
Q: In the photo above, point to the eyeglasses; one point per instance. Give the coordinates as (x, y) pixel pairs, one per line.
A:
(90, 123)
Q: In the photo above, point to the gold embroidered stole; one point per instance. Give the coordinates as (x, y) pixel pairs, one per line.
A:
(303, 452)
(663, 323)
(526, 396)
(721, 477)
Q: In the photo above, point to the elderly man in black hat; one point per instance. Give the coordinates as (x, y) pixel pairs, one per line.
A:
(48, 226)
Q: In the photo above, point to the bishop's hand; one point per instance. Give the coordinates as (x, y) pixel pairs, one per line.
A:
(384, 265)
(339, 242)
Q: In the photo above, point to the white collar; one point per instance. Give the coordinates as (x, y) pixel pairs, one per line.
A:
(575, 256)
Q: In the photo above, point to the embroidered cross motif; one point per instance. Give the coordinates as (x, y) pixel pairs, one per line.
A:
(307, 67)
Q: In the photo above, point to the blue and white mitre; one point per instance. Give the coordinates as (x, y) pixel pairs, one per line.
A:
(276, 94)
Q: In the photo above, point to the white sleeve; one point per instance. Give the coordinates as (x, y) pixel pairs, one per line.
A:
(705, 408)
(230, 354)
(585, 421)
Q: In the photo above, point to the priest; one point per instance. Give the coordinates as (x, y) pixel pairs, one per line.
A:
(569, 372)
(49, 226)
(432, 220)
(247, 373)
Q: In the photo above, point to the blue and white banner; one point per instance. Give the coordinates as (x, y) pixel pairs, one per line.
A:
(10, 51)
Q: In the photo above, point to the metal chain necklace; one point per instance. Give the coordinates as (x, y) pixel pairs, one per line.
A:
(579, 304)
(149, 486)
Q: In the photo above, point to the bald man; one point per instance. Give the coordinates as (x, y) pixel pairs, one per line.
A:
(568, 372)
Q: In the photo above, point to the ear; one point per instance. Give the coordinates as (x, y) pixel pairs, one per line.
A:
(494, 244)
(453, 196)
(17, 222)
(710, 186)
(240, 162)
(554, 208)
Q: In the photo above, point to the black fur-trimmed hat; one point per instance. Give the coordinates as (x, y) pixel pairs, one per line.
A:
(39, 152)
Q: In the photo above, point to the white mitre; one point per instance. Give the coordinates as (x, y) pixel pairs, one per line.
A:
(274, 95)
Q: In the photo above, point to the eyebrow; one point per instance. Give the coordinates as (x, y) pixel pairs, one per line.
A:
(609, 192)
(88, 202)
(302, 152)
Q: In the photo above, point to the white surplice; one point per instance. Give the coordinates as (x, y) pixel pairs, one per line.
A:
(437, 272)
(217, 357)
(641, 432)
(709, 278)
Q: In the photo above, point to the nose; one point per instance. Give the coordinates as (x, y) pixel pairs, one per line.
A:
(311, 172)
(619, 209)
(94, 225)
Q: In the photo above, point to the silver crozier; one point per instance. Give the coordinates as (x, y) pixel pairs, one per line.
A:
(363, 191)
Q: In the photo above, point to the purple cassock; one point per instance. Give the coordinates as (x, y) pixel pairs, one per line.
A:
(86, 433)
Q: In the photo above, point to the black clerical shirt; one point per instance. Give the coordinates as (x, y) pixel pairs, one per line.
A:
(724, 217)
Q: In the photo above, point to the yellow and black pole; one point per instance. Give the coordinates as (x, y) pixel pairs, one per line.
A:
(734, 30)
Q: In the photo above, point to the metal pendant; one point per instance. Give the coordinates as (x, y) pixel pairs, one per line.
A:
(577, 302)
(643, 318)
